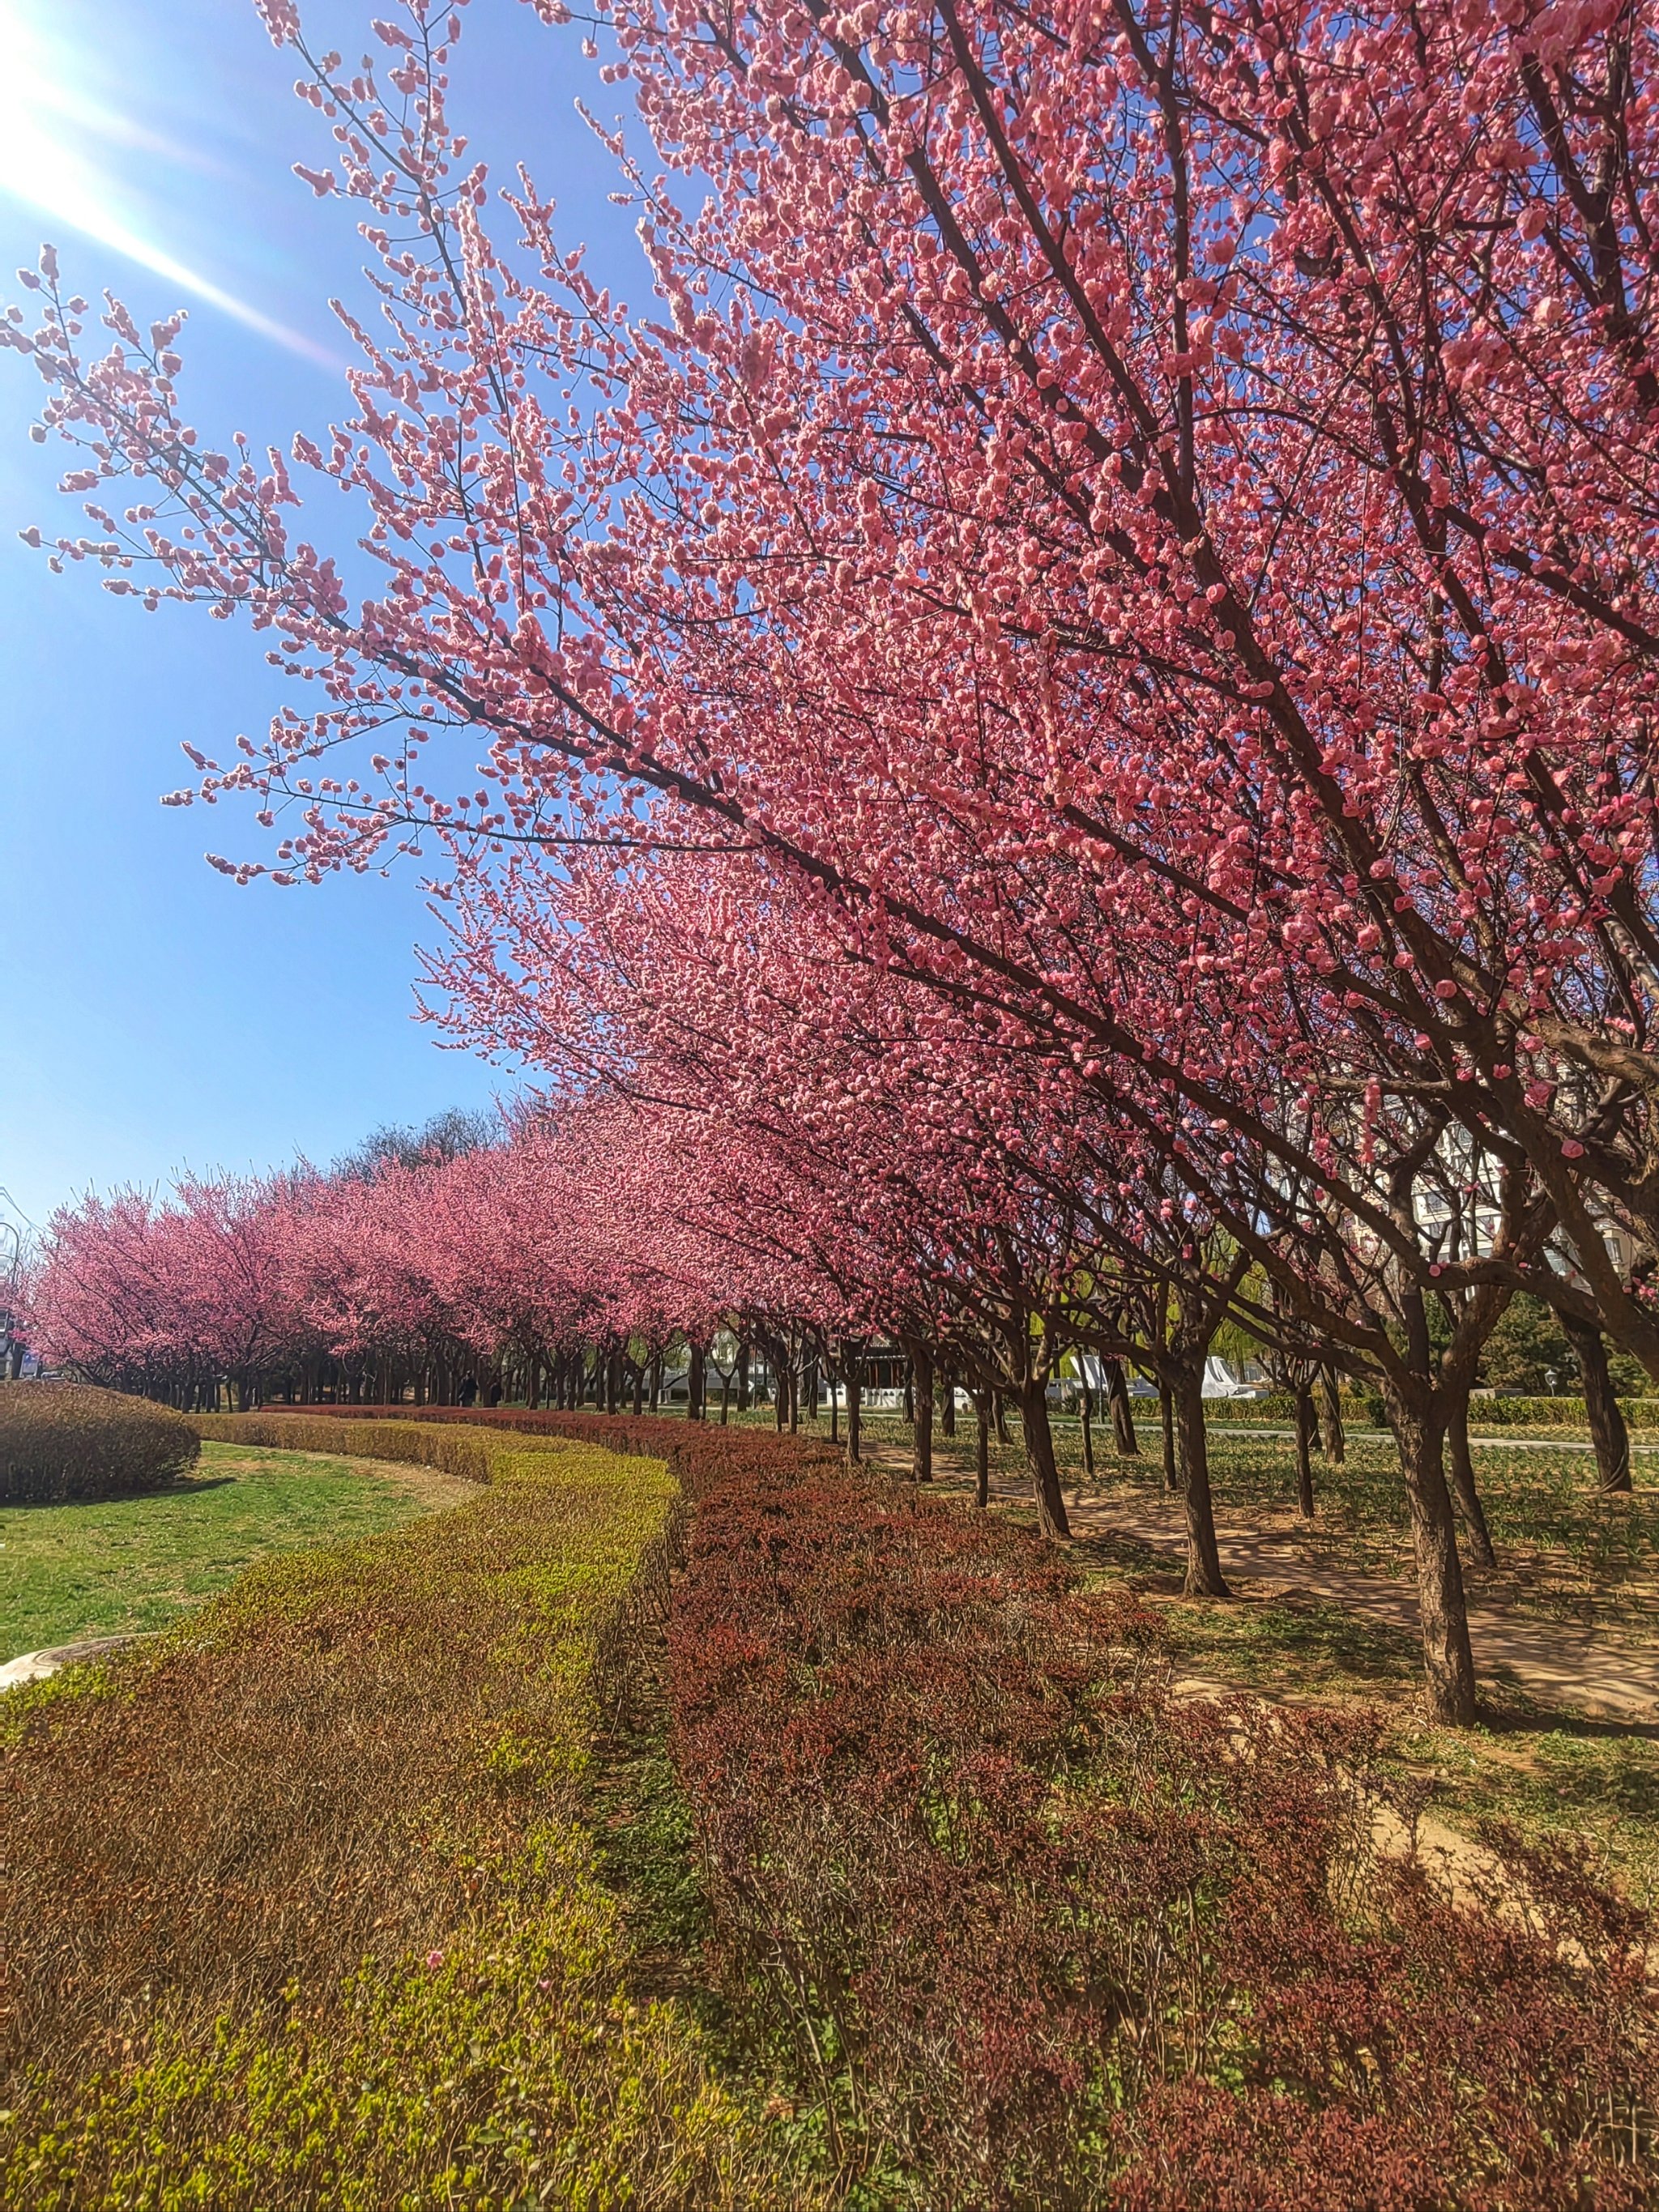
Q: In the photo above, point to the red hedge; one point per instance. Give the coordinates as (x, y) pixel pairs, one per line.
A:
(1045, 1935)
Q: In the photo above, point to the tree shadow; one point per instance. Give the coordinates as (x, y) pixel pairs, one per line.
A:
(189, 1486)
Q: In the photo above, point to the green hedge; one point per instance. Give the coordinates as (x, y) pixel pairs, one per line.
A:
(1279, 1410)
(299, 1906)
(63, 1443)
(457, 1451)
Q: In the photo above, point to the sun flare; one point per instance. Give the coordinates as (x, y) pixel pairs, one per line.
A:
(46, 114)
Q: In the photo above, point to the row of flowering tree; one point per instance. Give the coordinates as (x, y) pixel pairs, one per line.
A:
(1069, 714)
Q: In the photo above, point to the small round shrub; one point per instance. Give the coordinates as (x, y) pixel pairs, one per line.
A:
(65, 1441)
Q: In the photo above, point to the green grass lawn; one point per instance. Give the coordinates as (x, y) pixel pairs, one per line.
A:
(68, 1570)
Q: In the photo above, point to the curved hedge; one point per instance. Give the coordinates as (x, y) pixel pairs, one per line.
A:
(298, 1899)
(63, 1443)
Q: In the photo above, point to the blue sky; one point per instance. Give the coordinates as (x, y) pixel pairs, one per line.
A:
(152, 1014)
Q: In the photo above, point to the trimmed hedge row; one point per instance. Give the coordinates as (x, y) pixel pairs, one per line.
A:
(1278, 1410)
(1033, 1932)
(696, 1450)
(295, 1901)
(66, 1442)
(410, 1442)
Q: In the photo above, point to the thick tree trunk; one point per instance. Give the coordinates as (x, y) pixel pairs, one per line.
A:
(1304, 1436)
(694, 1383)
(1606, 1422)
(1124, 1441)
(1088, 1410)
(982, 1449)
(1448, 1661)
(1330, 1417)
(743, 1378)
(656, 1382)
(921, 1398)
(726, 1401)
(639, 1389)
(947, 1403)
(1461, 1467)
(834, 1404)
(1040, 1457)
(855, 1406)
(1204, 1575)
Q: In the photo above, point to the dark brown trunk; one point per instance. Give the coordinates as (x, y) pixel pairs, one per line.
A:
(835, 1405)
(1204, 1575)
(1330, 1418)
(1123, 1415)
(1602, 1409)
(921, 1398)
(1000, 1409)
(854, 1407)
(1448, 1661)
(1088, 1432)
(743, 1378)
(947, 1403)
(1304, 1436)
(1040, 1458)
(694, 1383)
(982, 1450)
(1461, 1467)
(639, 1390)
(1166, 1418)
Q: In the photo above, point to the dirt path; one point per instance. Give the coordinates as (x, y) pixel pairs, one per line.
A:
(1580, 1670)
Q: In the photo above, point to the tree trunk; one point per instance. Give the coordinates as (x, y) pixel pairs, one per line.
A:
(1461, 1466)
(1330, 1417)
(1606, 1422)
(1000, 1409)
(694, 1383)
(743, 1378)
(947, 1406)
(834, 1403)
(982, 1450)
(1448, 1661)
(1088, 1432)
(855, 1406)
(725, 1399)
(921, 1400)
(1304, 1437)
(1204, 1575)
(1166, 1417)
(639, 1389)
(910, 1394)
(1040, 1458)
(1123, 1413)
